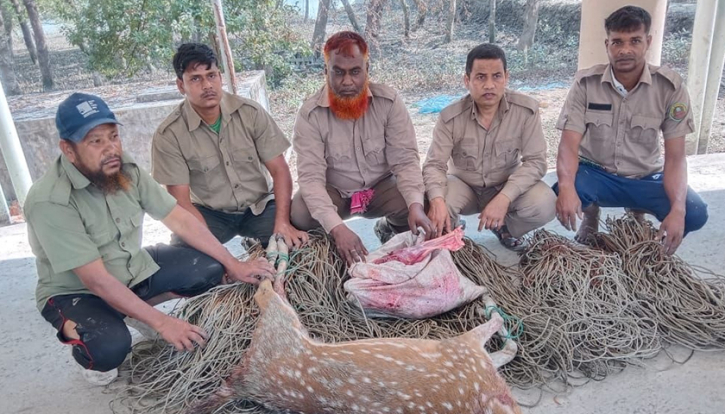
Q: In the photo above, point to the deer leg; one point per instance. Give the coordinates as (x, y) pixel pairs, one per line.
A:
(509, 350)
(281, 268)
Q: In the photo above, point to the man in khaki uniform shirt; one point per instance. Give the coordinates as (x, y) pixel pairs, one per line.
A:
(610, 155)
(85, 219)
(356, 152)
(215, 154)
(493, 148)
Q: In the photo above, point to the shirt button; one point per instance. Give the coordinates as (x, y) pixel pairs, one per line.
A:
(123, 244)
(236, 185)
(118, 220)
(227, 162)
(250, 158)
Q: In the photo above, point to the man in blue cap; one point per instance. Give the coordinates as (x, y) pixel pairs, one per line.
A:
(85, 220)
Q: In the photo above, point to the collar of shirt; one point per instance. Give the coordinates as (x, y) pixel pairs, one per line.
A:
(503, 107)
(77, 179)
(324, 99)
(608, 76)
(228, 106)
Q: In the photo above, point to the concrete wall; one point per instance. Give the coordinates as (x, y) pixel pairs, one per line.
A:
(39, 137)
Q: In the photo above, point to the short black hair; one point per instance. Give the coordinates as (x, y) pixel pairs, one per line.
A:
(628, 19)
(197, 53)
(485, 51)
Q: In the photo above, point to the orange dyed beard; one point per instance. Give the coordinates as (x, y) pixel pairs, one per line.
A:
(353, 107)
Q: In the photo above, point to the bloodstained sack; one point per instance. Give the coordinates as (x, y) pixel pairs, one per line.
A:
(411, 278)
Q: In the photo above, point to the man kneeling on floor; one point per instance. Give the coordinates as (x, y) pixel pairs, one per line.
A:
(85, 220)
(609, 154)
(497, 152)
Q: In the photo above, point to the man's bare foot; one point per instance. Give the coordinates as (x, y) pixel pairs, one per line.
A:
(589, 225)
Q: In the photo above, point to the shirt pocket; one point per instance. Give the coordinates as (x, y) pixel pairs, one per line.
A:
(599, 125)
(465, 154)
(507, 154)
(644, 129)
(374, 150)
(202, 165)
(338, 154)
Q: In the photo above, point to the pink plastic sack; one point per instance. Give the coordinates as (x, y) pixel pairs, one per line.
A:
(410, 278)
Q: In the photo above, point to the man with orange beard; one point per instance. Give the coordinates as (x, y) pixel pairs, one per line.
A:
(356, 154)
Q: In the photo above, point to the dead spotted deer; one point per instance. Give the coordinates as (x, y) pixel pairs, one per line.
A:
(286, 371)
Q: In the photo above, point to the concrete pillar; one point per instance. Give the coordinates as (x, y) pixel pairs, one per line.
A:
(699, 64)
(13, 152)
(4, 210)
(714, 75)
(592, 34)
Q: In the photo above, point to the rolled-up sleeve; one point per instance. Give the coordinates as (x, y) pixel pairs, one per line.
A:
(533, 159)
(312, 171)
(572, 113)
(401, 151)
(435, 168)
(676, 124)
(168, 165)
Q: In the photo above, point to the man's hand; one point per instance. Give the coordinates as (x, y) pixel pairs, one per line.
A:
(251, 271)
(348, 244)
(292, 237)
(492, 216)
(568, 208)
(181, 334)
(417, 218)
(671, 231)
(439, 217)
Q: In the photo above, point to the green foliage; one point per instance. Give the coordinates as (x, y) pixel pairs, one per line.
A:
(123, 37)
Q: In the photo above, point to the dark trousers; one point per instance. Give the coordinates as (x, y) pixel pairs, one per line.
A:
(104, 337)
(387, 202)
(225, 226)
(596, 186)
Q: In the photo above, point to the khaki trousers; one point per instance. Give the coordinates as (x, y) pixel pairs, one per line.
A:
(529, 211)
(387, 202)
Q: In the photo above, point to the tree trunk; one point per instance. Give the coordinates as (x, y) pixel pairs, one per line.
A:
(318, 36)
(7, 71)
(27, 35)
(7, 16)
(307, 10)
(531, 18)
(422, 10)
(450, 21)
(374, 14)
(43, 55)
(406, 18)
(492, 23)
(351, 15)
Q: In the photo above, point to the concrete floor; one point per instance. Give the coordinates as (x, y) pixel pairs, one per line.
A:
(38, 375)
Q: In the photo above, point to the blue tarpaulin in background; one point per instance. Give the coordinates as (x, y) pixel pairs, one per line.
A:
(435, 104)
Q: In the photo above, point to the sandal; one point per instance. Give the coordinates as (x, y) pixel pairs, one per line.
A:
(508, 241)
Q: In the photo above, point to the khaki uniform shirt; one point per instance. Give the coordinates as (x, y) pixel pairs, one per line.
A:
(622, 133)
(511, 152)
(353, 155)
(226, 171)
(72, 223)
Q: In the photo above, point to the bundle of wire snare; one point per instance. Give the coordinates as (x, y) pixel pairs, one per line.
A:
(588, 293)
(688, 304)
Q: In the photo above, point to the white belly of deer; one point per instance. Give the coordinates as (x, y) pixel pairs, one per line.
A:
(286, 371)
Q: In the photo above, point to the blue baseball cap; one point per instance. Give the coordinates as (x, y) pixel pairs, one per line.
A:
(79, 113)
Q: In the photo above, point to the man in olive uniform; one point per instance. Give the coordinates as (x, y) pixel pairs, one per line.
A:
(222, 156)
(85, 219)
(488, 156)
(610, 154)
(356, 153)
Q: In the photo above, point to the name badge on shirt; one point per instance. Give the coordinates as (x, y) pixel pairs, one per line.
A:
(599, 106)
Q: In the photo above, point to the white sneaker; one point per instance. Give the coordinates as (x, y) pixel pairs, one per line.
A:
(145, 330)
(98, 377)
